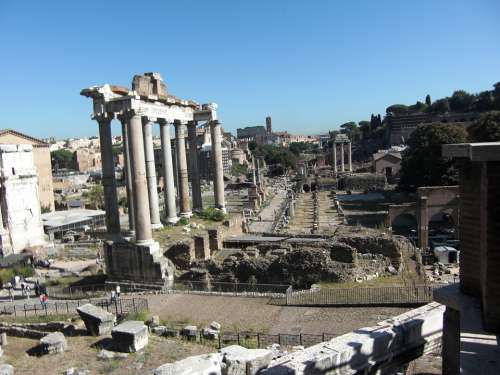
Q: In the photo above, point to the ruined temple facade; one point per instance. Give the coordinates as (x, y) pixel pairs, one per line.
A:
(136, 256)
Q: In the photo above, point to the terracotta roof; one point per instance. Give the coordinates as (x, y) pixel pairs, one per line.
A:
(39, 142)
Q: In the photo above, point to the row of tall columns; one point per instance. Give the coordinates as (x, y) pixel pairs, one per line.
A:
(342, 157)
(140, 173)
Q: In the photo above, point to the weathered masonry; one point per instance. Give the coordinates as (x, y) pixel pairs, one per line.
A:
(138, 109)
(339, 142)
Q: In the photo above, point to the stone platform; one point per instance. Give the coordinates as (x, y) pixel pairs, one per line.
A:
(130, 336)
(145, 263)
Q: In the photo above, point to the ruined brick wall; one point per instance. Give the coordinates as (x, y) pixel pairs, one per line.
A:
(470, 227)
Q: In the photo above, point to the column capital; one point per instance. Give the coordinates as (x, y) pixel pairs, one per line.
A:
(104, 117)
(163, 121)
(148, 119)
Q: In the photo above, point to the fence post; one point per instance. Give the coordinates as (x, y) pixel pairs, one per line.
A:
(323, 337)
(258, 340)
(238, 338)
(35, 308)
(133, 304)
(25, 313)
(300, 338)
(67, 307)
(279, 338)
(56, 309)
(45, 307)
(15, 314)
(220, 343)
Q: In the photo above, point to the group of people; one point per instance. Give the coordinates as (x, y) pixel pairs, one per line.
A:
(115, 293)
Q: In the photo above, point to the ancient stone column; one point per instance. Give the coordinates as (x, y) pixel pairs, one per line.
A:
(218, 165)
(423, 223)
(335, 168)
(142, 217)
(257, 171)
(108, 175)
(168, 173)
(128, 174)
(154, 206)
(193, 167)
(342, 165)
(349, 157)
(180, 146)
(254, 175)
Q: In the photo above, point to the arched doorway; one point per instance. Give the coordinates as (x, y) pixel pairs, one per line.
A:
(404, 224)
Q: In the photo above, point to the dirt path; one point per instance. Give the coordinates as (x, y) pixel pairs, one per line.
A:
(238, 313)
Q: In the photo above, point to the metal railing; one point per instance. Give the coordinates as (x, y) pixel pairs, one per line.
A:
(214, 287)
(121, 306)
(408, 295)
(253, 339)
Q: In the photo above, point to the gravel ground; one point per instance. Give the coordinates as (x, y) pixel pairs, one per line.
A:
(239, 313)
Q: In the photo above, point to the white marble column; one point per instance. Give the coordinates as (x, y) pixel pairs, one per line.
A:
(335, 168)
(180, 146)
(342, 165)
(168, 173)
(218, 165)
(128, 174)
(108, 175)
(142, 217)
(349, 157)
(154, 206)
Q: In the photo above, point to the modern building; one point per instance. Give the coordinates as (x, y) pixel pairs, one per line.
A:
(43, 166)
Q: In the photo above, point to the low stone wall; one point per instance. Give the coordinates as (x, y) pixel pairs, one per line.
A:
(389, 344)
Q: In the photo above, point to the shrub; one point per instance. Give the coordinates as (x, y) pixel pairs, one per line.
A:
(212, 214)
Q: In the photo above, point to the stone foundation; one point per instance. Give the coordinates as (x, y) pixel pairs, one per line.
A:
(142, 263)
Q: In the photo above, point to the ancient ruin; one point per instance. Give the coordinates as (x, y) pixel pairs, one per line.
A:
(139, 258)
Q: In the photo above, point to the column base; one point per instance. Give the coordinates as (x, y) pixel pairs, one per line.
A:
(222, 209)
(173, 220)
(156, 226)
(187, 215)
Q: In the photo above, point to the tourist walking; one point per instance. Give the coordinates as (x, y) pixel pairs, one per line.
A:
(118, 289)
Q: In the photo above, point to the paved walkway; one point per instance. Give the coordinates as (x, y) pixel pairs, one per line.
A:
(268, 213)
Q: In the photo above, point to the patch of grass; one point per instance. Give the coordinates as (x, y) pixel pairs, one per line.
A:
(212, 214)
(142, 315)
(183, 221)
(7, 274)
(36, 318)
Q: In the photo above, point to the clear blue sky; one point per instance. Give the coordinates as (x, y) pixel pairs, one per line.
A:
(311, 65)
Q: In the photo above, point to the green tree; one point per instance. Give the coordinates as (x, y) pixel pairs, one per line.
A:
(364, 127)
(238, 169)
(351, 129)
(62, 159)
(486, 128)
(440, 106)
(397, 109)
(422, 163)
(96, 196)
(461, 101)
(428, 100)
